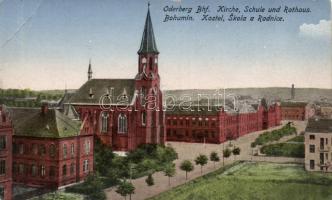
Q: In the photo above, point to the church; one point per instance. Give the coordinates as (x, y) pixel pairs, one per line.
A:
(124, 113)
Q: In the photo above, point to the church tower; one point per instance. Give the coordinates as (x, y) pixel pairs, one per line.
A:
(148, 85)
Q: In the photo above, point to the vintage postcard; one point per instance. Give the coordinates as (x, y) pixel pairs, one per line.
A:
(165, 99)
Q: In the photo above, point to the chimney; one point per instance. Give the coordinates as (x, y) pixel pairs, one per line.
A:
(44, 108)
(293, 92)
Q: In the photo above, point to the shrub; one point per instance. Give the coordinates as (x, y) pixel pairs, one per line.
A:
(284, 149)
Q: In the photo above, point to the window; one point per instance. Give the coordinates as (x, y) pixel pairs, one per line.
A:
(42, 170)
(21, 168)
(52, 171)
(104, 122)
(311, 137)
(52, 150)
(122, 123)
(42, 149)
(15, 168)
(21, 148)
(72, 150)
(72, 168)
(87, 146)
(312, 148)
(33, 170)
(64, 151)
(85, 166)
(143, 60)
(3, 141)
(15, 148)
(64, 170)
(2, 167)
(34, 149)
(143, 118)
(312, 164)
(151, 63)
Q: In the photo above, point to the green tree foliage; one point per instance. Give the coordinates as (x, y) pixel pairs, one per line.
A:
(227, 153)
(214, 157)
(274, 135)
(125, 188)
(284, 149)
(187, 166)
(94, 187)
(103, 157)
(236, 151)
(149, 180)
(169, 171)
(201, 160)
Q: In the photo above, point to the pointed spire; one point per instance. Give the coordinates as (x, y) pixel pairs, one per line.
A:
(148, 43)
(89, 71)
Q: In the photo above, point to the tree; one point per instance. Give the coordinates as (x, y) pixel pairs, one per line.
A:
(149, 180)
(125, 188)
(94, 187)
(187, 166)
(226, 153)
(214, 157)
(201, 160)
(169, 171)
(236, 151)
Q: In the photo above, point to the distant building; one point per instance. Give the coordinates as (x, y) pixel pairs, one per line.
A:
(324, 110)
(295, 110)
(6, 132)
(50, 149)
(318, 145)
(214, 124)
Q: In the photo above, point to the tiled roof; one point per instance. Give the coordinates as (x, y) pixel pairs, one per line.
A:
(293, 104)
(32, 122)
(319, 125)
(92, 91)
(194, 110)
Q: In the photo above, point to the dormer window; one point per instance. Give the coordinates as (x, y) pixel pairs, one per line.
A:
(91, 95)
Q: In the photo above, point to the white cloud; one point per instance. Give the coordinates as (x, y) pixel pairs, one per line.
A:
(320, 30)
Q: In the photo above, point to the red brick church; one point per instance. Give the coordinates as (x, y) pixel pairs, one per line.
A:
(125, 113)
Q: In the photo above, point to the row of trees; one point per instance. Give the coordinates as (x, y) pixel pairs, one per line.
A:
(126, 188)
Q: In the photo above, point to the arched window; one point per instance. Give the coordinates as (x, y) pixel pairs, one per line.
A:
(104, 122)
(42, 170)
(72, 168)
(64, 151)
(143, 118)
(122, 123)
(87, 146)
(72, 150)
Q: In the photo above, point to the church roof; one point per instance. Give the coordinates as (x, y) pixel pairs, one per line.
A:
(93, 90)
(31, 122)
(148, 43)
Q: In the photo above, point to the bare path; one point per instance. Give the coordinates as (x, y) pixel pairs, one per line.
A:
(190, 151)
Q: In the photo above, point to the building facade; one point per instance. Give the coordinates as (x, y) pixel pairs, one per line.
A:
(318, 145)
(50, 149)
(6, 132)
(125, 113)
(204, 124)
(291, 110)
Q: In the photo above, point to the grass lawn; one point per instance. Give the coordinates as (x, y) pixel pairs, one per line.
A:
(59, 196)
(258, 181)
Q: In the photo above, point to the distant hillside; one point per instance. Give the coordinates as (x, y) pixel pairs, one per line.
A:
(273, 93)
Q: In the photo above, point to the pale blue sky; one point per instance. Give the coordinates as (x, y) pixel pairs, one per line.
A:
(46, 44)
